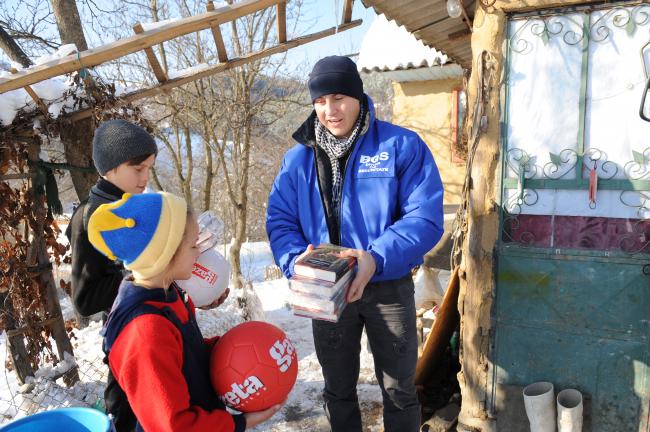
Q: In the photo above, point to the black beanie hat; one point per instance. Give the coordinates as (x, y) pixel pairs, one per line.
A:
(118, 141)
(335, 75)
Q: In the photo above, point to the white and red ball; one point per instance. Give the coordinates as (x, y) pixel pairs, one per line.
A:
(209, 278)
(253, 366)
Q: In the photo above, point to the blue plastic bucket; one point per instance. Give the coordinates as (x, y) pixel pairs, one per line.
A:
(63, 420)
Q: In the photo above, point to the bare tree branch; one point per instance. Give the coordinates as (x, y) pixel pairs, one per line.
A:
(12, 49)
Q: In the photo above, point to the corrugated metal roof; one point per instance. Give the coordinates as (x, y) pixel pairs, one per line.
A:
(387, 46)
(447, 71)
(430, 23)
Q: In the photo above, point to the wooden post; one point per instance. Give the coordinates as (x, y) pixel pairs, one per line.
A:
(477, 277)
(282, 22)
(40, 259)
(161, 76)
(441, 332)
(15, 343)
(218, 38)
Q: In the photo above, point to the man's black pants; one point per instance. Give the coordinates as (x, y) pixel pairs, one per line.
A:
(387, 311)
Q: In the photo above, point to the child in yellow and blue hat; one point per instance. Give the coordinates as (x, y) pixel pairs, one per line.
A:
(154, 346)
(123, 154)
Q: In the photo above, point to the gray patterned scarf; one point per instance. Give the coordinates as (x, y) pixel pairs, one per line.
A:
(335, 149)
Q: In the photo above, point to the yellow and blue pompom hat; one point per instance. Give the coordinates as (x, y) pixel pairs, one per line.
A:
(143, 231)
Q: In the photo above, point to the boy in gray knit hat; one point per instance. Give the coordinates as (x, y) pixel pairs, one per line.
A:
(119, 141)
(123, 154)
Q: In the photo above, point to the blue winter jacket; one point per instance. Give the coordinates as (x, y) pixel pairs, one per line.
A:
(391, 202)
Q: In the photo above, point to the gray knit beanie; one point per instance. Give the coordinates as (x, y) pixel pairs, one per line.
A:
(118, 141)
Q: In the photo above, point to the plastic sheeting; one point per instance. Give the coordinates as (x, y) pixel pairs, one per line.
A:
(543, 110)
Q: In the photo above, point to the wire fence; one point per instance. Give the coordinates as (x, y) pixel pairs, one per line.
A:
(47, 390)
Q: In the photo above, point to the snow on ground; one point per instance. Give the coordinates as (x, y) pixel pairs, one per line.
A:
(303, 410)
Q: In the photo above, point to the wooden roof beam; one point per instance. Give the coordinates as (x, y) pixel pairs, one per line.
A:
(221, 67)
(30, 91)
(123, 47)
(158, 71)
(282, 22)
(218, 38)
(347, 11)
(466, 19)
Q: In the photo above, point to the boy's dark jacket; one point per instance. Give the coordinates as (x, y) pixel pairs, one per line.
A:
(95, 279)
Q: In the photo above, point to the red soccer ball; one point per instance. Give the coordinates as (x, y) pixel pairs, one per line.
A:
(253, 366)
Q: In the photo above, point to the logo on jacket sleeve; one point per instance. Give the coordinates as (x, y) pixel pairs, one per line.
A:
(381, 164)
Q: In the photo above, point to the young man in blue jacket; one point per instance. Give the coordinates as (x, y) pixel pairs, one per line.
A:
(373, 187)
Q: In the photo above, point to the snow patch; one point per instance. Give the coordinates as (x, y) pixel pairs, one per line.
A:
(62, 51)
(188, 71)
(50, 91)
(157, 24)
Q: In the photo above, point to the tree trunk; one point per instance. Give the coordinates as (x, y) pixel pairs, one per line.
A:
(77, 139)
(187, 186)
(12, 49)
(209, 175)
(69, 23)
(235, 247)
(241, 209)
